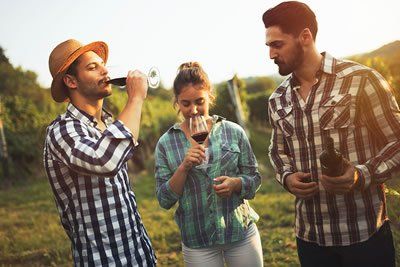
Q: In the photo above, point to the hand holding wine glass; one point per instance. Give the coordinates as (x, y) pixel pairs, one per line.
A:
(136, 85)
(199, 132)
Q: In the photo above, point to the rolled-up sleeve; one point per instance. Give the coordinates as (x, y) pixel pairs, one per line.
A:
(279, 158)
(70, 142)
(166, 197)
(381, 114)
(248, 168)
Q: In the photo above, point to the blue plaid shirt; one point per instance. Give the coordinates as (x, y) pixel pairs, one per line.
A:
(87, 171)
(204, 218)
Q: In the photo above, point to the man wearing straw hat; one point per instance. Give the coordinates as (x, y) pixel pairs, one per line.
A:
(85, 156)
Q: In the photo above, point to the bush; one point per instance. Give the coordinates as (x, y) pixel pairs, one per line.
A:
(258, 107)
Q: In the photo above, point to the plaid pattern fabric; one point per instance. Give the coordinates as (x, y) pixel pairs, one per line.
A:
(355, 106)
(87, 171)
(204, 218)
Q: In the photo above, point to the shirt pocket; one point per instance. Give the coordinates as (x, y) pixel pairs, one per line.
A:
(229, 157)
(335, 112)
(285, 119)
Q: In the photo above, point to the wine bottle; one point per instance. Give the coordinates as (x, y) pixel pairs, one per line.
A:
(331, 159)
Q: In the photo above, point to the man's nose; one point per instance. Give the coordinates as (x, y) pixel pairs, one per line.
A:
(272, 53)
(104, 70)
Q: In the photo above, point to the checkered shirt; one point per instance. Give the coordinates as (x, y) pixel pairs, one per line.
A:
(204, 218)
(355, 106)
(87, 171)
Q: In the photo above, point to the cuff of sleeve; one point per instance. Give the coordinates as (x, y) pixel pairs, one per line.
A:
(118, 130)
(365, 176)
(283, 179)
(174, 196)
(244, 188)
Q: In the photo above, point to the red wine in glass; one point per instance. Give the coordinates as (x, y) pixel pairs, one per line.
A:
(118, 81)
(200, 137)
(199, 132)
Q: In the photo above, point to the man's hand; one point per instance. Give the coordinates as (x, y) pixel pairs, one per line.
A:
(226, 186)
(297, 185)
(341, 184)
(136, 85)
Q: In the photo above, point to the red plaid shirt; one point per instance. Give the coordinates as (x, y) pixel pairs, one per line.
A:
(355, 106)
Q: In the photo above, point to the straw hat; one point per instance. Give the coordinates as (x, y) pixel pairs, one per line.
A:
(62, 57)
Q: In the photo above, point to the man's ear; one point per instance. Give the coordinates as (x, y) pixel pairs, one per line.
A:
(306, 36)
(70, 81)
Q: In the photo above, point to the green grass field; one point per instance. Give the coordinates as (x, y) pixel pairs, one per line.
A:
(31, 234)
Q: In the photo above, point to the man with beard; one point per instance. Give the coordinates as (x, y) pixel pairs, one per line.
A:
(342, 220)
(86, 154)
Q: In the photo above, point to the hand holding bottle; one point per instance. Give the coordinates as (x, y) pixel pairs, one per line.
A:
(339, 176)
(344, 183)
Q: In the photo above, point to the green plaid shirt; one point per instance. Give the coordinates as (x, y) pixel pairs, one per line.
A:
(204, 218)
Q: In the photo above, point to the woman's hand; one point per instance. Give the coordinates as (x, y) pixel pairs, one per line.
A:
(194, 156)
(225, 186)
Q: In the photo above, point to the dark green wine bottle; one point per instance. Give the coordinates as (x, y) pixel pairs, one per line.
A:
(331, 159)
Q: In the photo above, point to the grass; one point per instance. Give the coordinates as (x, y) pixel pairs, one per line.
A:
(31, 233)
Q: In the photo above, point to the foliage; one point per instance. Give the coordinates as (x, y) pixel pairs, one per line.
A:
(26, 110)
(390, 73)
(258, 108)
(223, 105)
(257, 85)
(29, 108)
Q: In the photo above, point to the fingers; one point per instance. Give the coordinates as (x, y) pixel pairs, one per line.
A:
(224, 188)
(194, 156)
(298, 187)
(341, 184)
(310, 191)
(304, 186)
(219, 180)
(197, 153)
(136, 84)
(335, 188)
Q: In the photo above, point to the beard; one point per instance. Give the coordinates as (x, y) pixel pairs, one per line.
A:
(95, 90)
(292, 65)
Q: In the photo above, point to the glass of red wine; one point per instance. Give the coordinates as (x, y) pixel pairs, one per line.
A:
(199, 132)
(119, 79)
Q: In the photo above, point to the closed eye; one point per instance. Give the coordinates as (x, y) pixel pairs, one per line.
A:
(276, 44)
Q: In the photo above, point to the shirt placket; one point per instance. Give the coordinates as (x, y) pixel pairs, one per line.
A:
(211, 173)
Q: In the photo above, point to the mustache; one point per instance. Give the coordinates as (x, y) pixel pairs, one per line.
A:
(276, 61)
(104, 80)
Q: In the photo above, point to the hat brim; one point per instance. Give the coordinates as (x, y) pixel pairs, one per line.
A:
(59, 91)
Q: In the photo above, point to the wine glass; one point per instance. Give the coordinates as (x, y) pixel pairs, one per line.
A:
(118, 78)
(199, 132)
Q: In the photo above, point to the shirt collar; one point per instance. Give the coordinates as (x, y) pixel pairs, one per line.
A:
(87, 118)
(328, 65)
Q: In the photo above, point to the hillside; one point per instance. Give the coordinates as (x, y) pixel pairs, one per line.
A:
(388, 52)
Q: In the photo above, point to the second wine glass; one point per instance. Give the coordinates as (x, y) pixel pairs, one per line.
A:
(119, 79)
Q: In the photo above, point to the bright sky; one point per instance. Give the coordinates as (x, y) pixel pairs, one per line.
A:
(225, 36)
